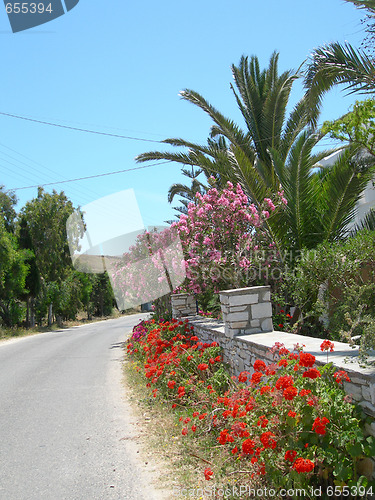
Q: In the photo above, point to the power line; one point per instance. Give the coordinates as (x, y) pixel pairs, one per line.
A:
(76, 190)
(90, 176)
(51, 124)
(118, 136)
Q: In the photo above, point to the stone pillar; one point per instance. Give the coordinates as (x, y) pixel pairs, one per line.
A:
(183, 304)
(247, 310)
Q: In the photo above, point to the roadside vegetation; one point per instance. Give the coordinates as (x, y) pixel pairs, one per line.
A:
(38, 285)
(265, 207)
(288, 425)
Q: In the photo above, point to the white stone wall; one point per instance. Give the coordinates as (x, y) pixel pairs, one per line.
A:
(183, 304)
(246, 310)
(241, 352)
(243, 342)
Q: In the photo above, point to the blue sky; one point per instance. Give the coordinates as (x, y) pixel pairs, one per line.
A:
(118, 66)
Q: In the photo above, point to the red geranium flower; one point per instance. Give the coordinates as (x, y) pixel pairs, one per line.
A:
(304, 392)
(208, 474)
(327, 345)
(319, 425)
(248, 447)
(223, 436)
(263, 421)
(303, 465)
(202, 366)
(340, 376)
(255, 378)
(312, 373)
(290, 455)
(242, 377)
(267, 440)
(259, 365)
(290, 393)
(284, 382)
(306, 359)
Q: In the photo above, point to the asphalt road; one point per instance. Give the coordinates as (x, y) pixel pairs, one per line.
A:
(64, 423)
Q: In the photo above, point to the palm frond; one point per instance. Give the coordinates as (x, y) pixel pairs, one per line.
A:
(300, 191)
(297, 121)
(368, 223)
(225, 126)
(342, 186)
(335, 64)
(364, 4)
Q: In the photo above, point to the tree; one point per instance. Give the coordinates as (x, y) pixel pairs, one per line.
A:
(224, 243)
(8, 200)
(274, 153)
(187, 193)
(102, 298)
(46, 218)
(336, 63)
(32, 284)
(13, 271)
(355, 127)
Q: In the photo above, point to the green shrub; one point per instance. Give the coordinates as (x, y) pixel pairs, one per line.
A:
(334, 289)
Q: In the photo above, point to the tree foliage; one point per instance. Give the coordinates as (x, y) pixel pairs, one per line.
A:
(276, 151)
(13, 271)
(355, 127)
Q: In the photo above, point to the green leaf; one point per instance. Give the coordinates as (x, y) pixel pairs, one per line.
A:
(355, 450)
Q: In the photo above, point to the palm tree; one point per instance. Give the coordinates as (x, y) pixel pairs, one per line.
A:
(337, 63)
(275, 152)
(187, 193)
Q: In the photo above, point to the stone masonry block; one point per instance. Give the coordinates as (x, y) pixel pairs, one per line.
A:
(224, 299)
(267, 325)
(237, 324)
(366, 393)
(238, 308)
(249, 331)
(263, 310)
(354, 390)
(368, 408)
(237, 316)
(239, 300)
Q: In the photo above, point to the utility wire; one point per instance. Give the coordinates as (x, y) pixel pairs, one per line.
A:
(76, 191)
(51, 124)
(118, 136)
(90, 176)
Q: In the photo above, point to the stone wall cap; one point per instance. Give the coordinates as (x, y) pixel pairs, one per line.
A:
(245, 291)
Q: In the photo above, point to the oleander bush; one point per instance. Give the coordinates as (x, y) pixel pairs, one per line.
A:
(289, 424)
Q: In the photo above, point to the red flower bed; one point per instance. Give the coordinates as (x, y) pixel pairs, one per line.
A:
(289, 423)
